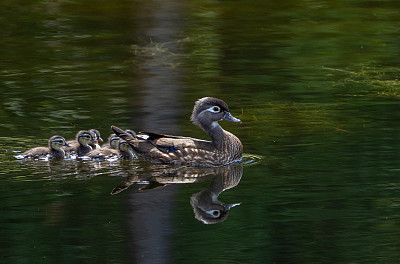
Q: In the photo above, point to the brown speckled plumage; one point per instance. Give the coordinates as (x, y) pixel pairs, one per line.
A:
(223, 149)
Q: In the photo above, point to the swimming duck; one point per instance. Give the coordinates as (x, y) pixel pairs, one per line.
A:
(80, 146)
(97, 138)
(53, 151)
(224, 148)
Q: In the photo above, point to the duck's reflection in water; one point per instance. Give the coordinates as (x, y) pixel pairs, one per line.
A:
(206, 206)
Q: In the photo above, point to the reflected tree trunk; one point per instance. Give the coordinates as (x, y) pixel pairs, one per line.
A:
(150, 223)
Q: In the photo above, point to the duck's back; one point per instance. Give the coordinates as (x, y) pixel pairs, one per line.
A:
(169, 149)
(36, 152)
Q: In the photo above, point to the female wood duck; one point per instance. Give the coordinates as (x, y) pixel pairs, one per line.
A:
(224, 148)
(80, 146)
(53, 151)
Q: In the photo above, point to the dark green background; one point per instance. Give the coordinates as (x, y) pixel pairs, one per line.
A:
(316, 84)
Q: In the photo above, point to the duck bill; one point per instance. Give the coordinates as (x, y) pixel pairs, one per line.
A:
(231, 118)
(66, 144)
(229, 206)
(100, 139)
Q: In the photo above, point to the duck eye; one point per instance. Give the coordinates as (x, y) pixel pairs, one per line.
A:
(214, 213)
(215, 109)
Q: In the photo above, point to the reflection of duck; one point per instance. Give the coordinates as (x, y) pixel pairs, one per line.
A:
(223, 149)
(53, 151)
(206, 206)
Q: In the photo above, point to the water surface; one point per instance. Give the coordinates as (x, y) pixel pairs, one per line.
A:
(314, 82)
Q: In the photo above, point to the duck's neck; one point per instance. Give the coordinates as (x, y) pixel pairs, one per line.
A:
(57, 151)
(224, 141)
(217, 134)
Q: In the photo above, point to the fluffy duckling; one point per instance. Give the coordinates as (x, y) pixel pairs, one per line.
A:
(80, 146)
(112, 142)
(53, 151)
(109, 149)
(96, 134)
(125, 150)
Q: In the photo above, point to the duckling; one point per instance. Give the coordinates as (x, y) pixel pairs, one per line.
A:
(112, 142)
(97, 137)
(53, 151)
(108, 149)
(125, 150)
(80, 146)
(224, 148)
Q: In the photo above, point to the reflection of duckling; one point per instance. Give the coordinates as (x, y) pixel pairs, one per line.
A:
(81, 144)
(53, 151)
(206, 206)
(97, 138)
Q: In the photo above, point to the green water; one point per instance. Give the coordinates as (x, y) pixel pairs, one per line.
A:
(316, 84)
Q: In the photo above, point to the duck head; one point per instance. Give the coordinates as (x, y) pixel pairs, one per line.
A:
(208, 111)
(85, 137)
(57, 142)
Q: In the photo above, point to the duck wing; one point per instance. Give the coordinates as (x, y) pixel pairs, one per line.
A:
(166, 148)
(167, 143)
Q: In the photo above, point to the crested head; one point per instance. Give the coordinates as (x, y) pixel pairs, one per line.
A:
(207, 103)
(208, 111)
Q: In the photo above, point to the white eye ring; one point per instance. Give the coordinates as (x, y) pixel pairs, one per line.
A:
(214, 109)
(214, 213)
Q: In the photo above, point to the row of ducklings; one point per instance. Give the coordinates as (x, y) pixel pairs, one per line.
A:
(86, 143)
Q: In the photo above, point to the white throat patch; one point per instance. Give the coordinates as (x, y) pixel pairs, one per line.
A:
(214, 124)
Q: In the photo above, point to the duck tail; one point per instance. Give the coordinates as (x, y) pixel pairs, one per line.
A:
(123, 134)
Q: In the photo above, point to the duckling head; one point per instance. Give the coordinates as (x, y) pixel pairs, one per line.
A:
(57, 142)
(96, 134)
(124, 146)
(113, 140)
(85, 137)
